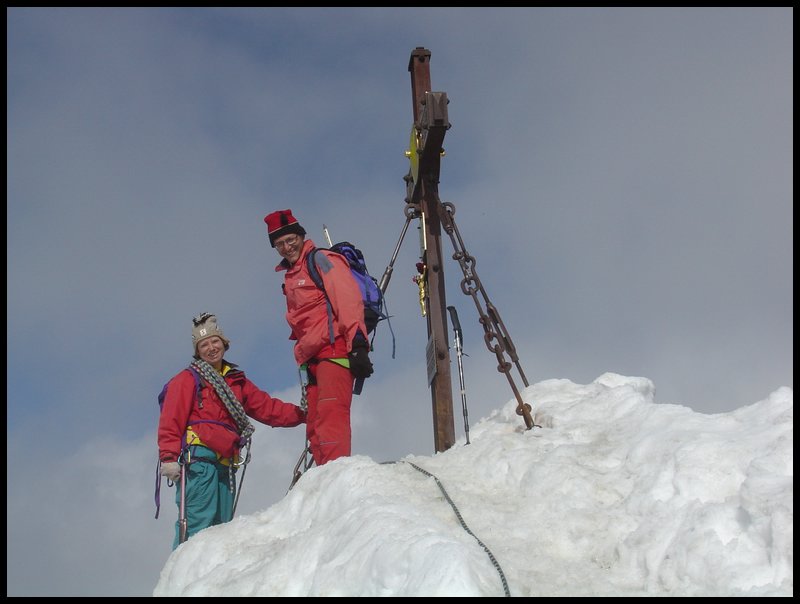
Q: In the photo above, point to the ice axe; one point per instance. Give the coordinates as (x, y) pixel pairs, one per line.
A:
(183, 525)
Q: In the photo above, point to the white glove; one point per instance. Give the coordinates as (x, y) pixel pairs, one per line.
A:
(171, 469)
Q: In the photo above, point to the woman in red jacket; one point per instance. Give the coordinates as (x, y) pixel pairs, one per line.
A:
(204, 425)
(332, 366)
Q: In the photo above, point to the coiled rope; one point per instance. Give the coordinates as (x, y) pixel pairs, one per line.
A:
(464, 525)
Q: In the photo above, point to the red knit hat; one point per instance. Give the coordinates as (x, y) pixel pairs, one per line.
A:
(282, 223)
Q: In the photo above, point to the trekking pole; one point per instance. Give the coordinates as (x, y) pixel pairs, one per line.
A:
(303, 461)
(457, 338)
(183, 525)
(327, 235)
(241, 480)
(238, 492)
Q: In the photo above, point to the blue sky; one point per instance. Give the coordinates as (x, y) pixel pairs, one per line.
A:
(623, 178)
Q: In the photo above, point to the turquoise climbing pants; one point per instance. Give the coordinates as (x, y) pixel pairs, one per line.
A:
(209, 499)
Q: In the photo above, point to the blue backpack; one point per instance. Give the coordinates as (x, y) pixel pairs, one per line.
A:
(374, 303)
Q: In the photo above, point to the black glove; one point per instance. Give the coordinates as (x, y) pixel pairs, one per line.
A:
(360, 365)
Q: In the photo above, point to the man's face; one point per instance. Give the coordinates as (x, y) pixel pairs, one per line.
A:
(289, 246)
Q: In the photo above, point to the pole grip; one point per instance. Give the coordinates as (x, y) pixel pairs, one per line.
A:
(454, 320)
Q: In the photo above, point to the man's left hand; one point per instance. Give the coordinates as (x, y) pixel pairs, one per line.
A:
(360, 365)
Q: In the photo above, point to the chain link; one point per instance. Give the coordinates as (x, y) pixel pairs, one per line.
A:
(496, 336)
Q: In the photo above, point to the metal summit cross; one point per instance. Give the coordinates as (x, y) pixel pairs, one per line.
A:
(422, 202)
(422, 194)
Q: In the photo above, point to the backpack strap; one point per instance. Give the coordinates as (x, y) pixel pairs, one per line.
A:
(313, 271)
(198, 385)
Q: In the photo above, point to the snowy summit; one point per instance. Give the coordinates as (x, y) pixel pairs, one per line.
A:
(614, 495)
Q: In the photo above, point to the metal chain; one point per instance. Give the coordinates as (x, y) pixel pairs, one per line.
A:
(496, 336)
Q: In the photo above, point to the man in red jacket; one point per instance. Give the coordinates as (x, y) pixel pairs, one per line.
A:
(204, 424)
(331, 366)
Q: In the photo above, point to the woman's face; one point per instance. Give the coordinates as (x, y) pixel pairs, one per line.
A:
(211, 351)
